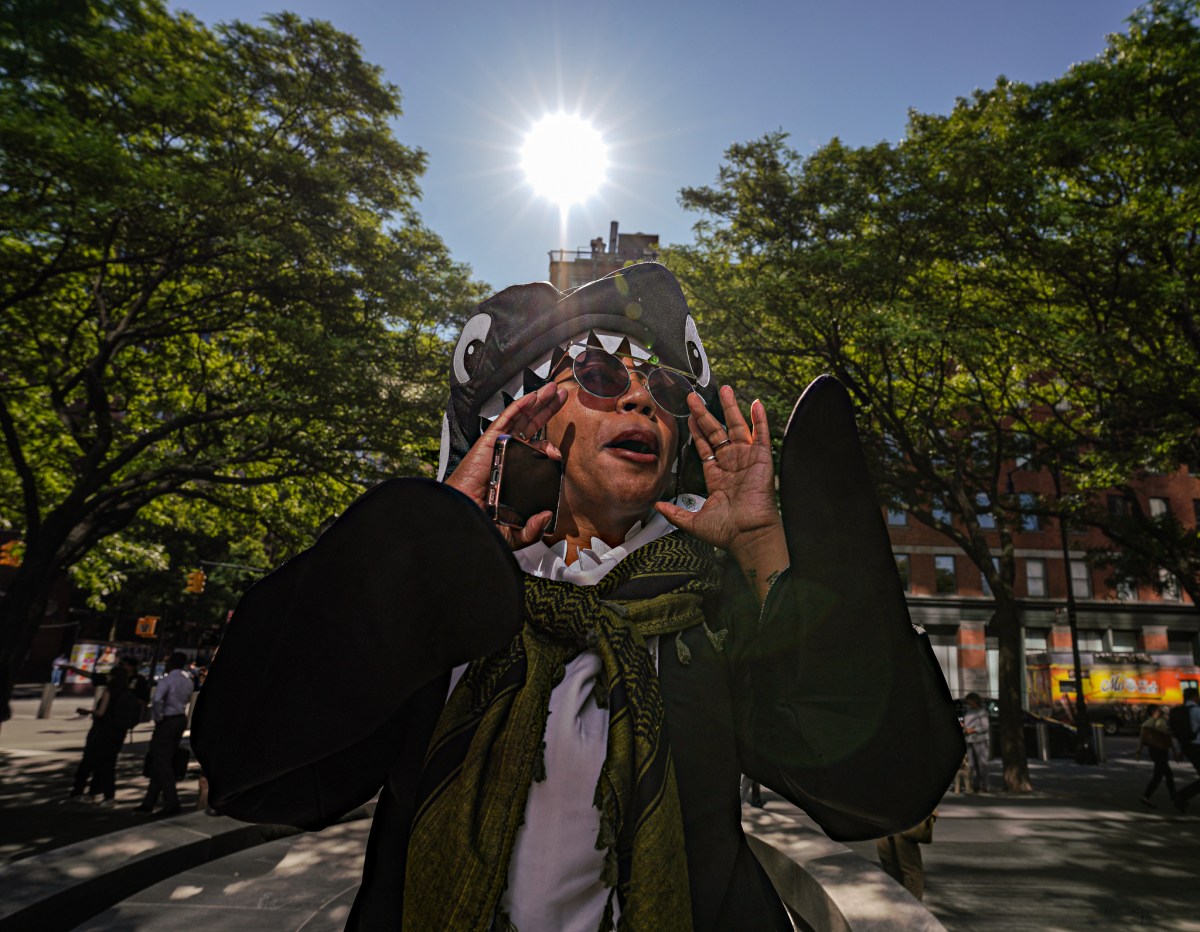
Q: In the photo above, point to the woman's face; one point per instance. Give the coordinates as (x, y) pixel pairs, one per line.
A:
(617, 452)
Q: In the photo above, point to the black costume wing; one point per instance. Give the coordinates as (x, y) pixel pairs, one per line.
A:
(311, 696)
(842, 707)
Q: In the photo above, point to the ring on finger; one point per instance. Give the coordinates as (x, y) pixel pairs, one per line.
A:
(723, 443)
(709, 458)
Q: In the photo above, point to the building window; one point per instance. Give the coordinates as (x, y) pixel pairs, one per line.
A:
(1159, 507)
(1090, 639)
(943, 574)
(1196, 510)
(1168, 586)
(904, 568)
(1123, 642)
(1118, 506)
(1035, 578)
(1183, 642)
(983, 512)
(1035, 638)
(897, 518)
(1029, 521)
(1127, 590)
(1081, 580)
(983, 583)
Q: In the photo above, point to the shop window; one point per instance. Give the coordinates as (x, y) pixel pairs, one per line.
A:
(1035, 578)
(1091, 639)
(943, 574)
(1081, 580)
(1123, 642)
(1035, 638)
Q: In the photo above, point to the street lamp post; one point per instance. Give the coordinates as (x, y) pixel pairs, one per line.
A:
(1084, 752)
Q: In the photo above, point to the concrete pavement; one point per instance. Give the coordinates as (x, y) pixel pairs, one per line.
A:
(1079, 852)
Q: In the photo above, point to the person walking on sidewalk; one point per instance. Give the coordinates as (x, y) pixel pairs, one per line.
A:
(976, 727)
(900, 855)
(170, 704)
(115, 713)
(1190, 748)
(1156, 738)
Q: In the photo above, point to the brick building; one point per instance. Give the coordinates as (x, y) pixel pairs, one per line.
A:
(570, 268)
(950, 599)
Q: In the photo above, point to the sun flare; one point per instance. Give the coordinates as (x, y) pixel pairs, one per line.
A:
(564, 158)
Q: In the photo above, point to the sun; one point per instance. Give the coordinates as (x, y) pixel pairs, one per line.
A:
(564, 158)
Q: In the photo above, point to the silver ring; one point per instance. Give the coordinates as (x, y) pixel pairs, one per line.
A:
(520, 435)
(723, 443)
(709, 458)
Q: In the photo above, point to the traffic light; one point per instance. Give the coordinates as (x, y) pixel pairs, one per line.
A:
(146, 625)
(195, 582)
(12, 552)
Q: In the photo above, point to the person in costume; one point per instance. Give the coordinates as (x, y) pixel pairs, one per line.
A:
(559, 722)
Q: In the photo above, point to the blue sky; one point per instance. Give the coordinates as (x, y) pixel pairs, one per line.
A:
(670, 85)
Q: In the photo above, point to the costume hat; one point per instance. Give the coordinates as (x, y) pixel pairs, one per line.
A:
(515, 339)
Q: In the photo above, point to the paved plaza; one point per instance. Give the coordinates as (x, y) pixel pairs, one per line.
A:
(1081, 852)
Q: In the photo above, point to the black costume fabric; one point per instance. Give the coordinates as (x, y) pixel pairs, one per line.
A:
(827, 694)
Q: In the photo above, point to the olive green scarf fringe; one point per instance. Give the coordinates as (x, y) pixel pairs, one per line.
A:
(488, 747)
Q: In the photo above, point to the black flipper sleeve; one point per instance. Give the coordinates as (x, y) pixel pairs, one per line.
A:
(304, 709)
(842, 706)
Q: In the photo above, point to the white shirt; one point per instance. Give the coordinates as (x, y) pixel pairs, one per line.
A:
(554, 876)
(171, 695)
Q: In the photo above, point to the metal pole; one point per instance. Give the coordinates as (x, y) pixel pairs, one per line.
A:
(49, 691)
(1084, 754)
(1043, 740)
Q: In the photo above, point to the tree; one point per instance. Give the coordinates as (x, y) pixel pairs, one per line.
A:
(847, 262)
(1111, 242)
(1012, 284)
(215, 291)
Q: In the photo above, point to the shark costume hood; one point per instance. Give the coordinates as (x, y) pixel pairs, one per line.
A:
(515, 338)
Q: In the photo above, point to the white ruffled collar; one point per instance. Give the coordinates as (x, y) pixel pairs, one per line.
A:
(594, 562)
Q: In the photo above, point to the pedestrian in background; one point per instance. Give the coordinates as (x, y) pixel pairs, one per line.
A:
(900, 855)
(976, 728)
(1155, 736)
(169, 707)
(115, 713)
(58, 669)
(1189, 745)
(137, 681)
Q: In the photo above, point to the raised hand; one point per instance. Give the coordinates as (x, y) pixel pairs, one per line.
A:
(740, 514)
(523, 418)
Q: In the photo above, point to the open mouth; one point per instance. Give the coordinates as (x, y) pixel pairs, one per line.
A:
(634, 446)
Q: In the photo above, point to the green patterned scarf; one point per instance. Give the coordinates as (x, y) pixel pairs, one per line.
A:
(488, 746)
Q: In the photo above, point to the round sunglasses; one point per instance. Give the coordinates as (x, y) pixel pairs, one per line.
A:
(604, 375)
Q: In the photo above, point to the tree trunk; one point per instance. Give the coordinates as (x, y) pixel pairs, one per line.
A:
(21, 612)
(1006, 622)
(24, 603)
